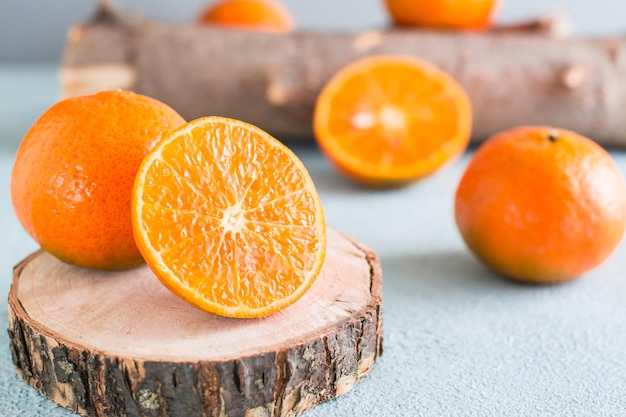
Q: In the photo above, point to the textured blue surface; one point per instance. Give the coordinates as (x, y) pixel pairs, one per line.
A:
(459, 341)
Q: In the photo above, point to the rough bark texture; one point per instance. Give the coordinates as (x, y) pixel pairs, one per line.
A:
(280, 382)
(273, 80)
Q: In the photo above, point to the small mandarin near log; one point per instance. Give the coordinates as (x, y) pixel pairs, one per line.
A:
(541, 205)
(443, 14)
(262, 15)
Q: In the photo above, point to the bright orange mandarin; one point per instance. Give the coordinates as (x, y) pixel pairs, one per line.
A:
(228, 218)
(74, 171)
(541, 205)
(265, 15)
(389, 120)
(448, 14)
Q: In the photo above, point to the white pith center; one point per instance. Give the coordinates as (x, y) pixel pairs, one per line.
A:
(392, 118)
(363, 120)
(233, 219)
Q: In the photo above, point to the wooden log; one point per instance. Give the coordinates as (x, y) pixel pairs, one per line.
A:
(120, 344)
(513, 77)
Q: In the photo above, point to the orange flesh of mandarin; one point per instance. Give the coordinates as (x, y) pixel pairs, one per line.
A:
(392, 119)
(228, 219)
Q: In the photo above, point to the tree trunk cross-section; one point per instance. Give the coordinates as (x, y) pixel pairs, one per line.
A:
(119, 344)
(512, 78)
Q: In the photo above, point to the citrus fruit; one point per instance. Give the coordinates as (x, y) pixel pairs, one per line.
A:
(263, 15)
(228, 218)
(74, 171)
(389, 120)
(448, 14)
(541, 205)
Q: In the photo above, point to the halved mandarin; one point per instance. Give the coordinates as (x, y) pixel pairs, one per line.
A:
(389, 120)
(228, 218)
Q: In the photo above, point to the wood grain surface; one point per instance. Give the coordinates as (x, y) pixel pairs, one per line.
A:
(119, 343)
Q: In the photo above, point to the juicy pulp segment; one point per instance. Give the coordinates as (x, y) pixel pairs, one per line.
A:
(234, 205)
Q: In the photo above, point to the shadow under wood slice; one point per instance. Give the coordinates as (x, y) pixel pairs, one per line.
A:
(118, 343)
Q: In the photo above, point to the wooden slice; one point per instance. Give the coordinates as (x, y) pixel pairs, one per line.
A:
(120, 344)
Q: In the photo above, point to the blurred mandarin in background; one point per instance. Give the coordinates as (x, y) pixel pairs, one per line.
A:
(263, 15)
(443, 14)
(389, 120)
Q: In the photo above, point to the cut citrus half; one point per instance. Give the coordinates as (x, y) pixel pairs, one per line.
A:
(390, 120)
(228, 218)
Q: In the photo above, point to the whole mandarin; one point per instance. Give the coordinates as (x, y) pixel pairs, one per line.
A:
(74, 171)
(541, 205)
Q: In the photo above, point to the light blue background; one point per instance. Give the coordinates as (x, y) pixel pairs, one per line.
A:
(34, 30)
